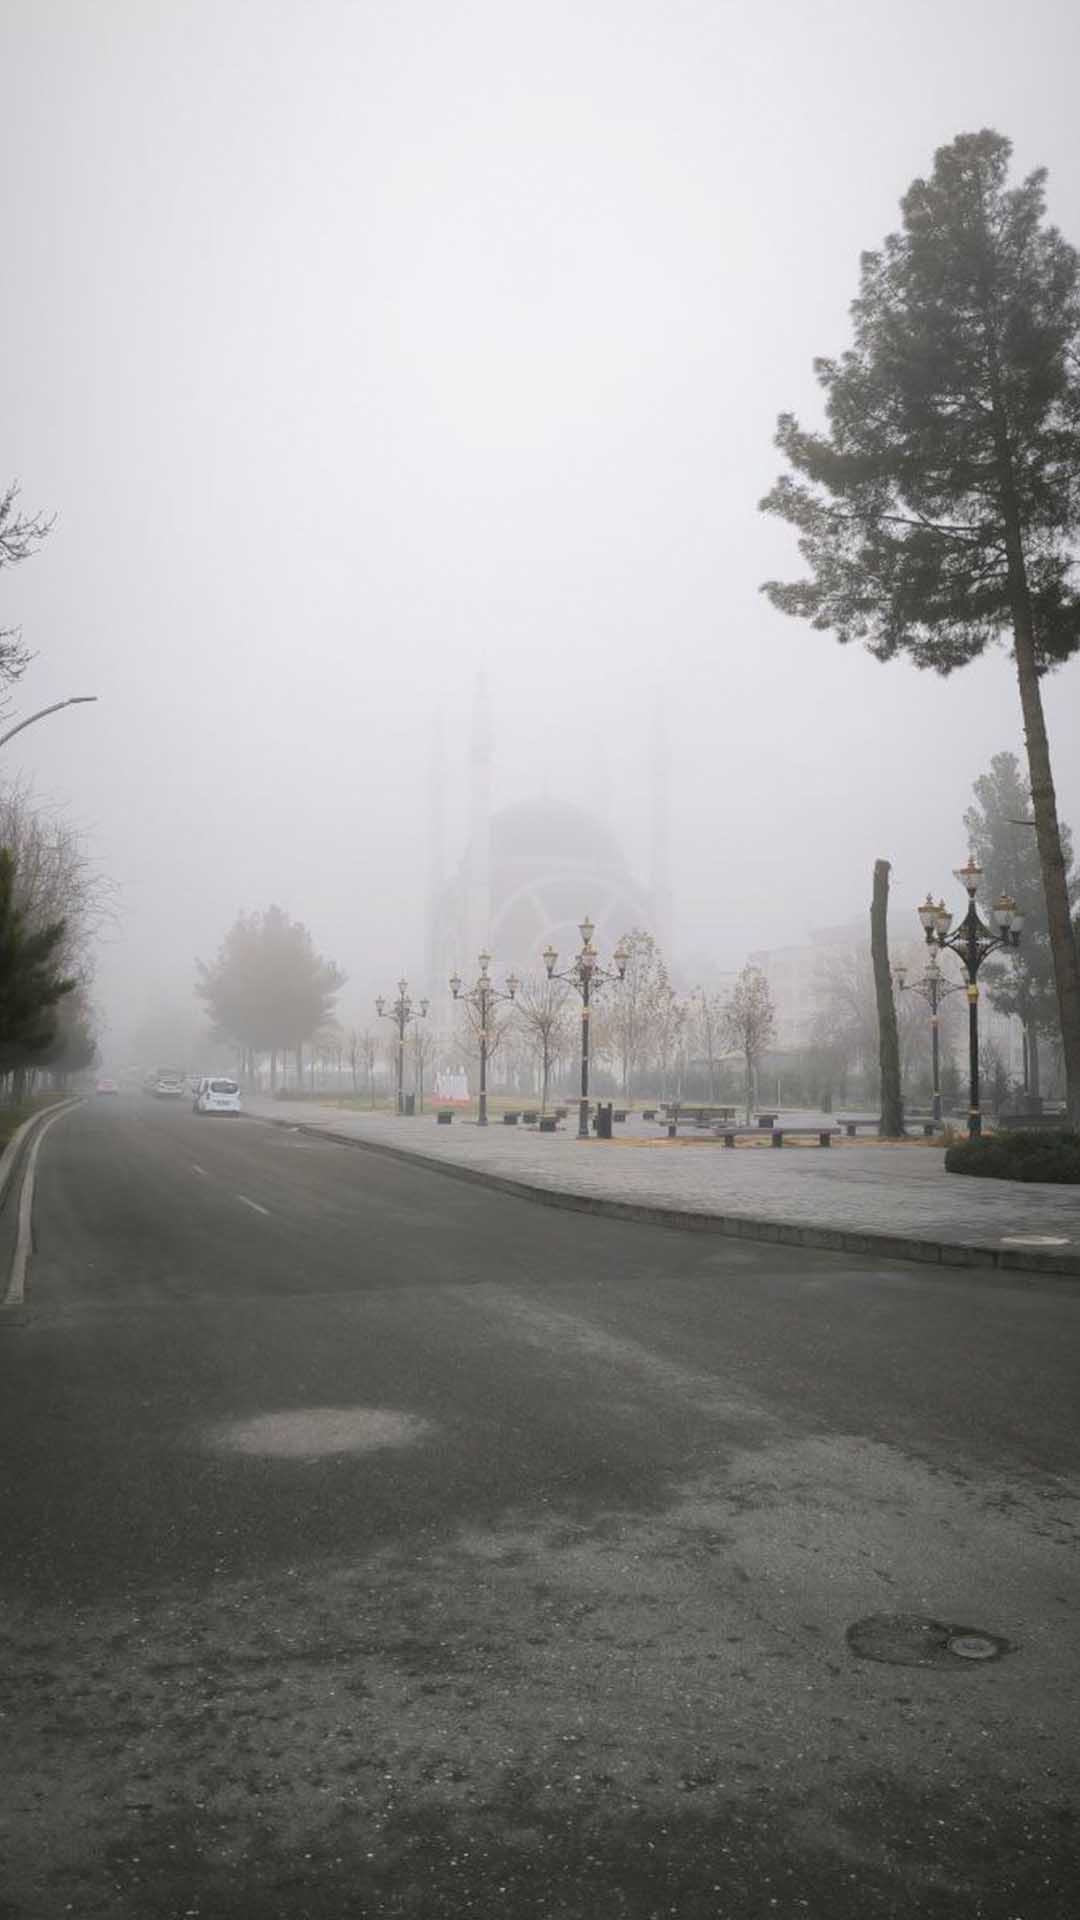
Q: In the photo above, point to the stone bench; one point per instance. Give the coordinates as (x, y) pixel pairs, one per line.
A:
(729, 1135)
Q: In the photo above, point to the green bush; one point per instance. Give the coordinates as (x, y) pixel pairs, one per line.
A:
(1025, 1154)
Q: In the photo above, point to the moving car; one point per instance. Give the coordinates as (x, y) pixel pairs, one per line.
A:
(105, 1085)
(169, 1083)
(217, 1095)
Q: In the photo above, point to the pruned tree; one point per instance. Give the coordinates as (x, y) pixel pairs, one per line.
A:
(941, 508)
(892, 1099)
(1002, 839)
(749, 1024)
(543, 1016)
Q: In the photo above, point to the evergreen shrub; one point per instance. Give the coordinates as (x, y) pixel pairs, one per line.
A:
(1021, 1155)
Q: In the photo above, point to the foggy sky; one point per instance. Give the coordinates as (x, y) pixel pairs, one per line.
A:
(357, 344)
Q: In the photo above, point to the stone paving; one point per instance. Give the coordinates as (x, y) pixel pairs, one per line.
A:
(900, 1190)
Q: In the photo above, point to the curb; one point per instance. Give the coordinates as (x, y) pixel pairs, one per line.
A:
(14, 1146)
(735, 1226)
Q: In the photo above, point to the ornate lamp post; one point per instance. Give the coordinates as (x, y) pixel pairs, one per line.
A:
(401, 1011)
(932, 988)
(972, 940)
(483, 996)
(586, 975)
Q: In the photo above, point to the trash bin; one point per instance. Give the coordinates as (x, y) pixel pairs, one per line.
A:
(603, 1120)
(410, 1104)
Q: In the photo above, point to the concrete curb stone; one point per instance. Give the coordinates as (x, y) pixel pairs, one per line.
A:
(883, 1246)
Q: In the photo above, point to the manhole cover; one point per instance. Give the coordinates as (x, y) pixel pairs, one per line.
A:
(973, 1646)
(910, 1640)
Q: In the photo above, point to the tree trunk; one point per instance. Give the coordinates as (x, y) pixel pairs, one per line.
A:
(892, 1105)
(1052, 861)
(1034, 1086)
(1040, 776)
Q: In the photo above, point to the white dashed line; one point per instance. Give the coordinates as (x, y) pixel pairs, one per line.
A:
(253, 1204)
(196, 1169)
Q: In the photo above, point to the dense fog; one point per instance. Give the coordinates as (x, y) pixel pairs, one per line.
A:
(361, 348)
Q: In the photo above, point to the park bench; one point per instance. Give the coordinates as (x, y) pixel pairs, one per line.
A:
(444, 1118)
(729, 1135)
(530, 1119)
(704, 1115)
(548, 1123)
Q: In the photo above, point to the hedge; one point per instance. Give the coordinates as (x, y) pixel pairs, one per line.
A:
(1022, 1155)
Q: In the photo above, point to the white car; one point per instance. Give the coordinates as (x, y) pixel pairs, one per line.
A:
(217, 1096)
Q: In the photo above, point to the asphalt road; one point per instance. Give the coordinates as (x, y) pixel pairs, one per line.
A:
(373, 1545)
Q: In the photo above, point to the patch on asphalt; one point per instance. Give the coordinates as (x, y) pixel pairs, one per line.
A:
(311, 1433)
(909, 1640)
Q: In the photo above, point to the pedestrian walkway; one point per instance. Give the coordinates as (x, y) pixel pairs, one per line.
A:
(854, 1195)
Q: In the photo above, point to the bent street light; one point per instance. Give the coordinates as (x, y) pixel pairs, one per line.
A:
(76, 700)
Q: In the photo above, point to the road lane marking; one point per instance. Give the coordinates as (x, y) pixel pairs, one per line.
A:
(253, 1204)
(17, 1284)
(196, 1169)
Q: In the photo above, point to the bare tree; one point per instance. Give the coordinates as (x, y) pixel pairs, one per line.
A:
(55, 878)
(749, 1024)
(369, 1053)
(705, 1013)
(21, 534)
(634, 1007)
(542, 1016)
(424, 1046)
(669, 1029)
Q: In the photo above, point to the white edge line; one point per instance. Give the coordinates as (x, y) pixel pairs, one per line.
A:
(17, 1284)
(245, 1202)
(11, 1151)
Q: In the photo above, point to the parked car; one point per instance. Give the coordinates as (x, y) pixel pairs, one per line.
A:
(217, 1096)
(105, 1085)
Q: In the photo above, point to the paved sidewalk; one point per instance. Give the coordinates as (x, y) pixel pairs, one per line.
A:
(896, 1199)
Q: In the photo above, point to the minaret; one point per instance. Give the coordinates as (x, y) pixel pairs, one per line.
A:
(478, 914)
(660, 875)
(436, 857)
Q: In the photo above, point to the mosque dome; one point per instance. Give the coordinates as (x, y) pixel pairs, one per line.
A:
(552, 831)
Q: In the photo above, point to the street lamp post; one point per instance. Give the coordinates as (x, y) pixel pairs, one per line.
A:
(932, 988)
(586, 975)
(972, 940)
(483, 995)
(76, 700)
(401, 1011)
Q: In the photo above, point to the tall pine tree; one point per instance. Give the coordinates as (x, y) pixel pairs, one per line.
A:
(940, 511)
